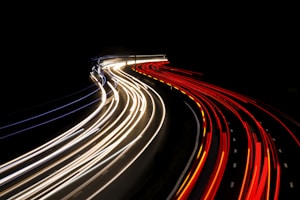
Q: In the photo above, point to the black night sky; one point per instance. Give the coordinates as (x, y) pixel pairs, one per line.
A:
(46, 55)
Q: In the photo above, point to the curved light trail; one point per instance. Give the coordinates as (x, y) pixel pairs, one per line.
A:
(260, 173)
(113, 136)
(237, 153)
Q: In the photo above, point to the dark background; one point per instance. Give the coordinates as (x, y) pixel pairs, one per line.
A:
(47, 51)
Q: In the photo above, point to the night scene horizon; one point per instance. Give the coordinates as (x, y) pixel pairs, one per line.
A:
(202, 115)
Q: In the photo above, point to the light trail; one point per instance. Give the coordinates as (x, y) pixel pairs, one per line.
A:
(88, 160)
(258, 180)
(99, 141)
(47, 113)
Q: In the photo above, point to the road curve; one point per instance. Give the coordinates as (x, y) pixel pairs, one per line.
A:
(233, 146)
(247, 148)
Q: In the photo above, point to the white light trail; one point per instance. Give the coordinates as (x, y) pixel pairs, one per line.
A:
(95, 144)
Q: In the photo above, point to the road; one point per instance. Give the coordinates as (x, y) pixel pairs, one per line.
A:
(159, 132)
(247, 148)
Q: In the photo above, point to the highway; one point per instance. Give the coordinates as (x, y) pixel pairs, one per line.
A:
(159, 132)
(247, 149)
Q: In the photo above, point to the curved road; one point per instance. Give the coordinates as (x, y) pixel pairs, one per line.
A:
(160, 132)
